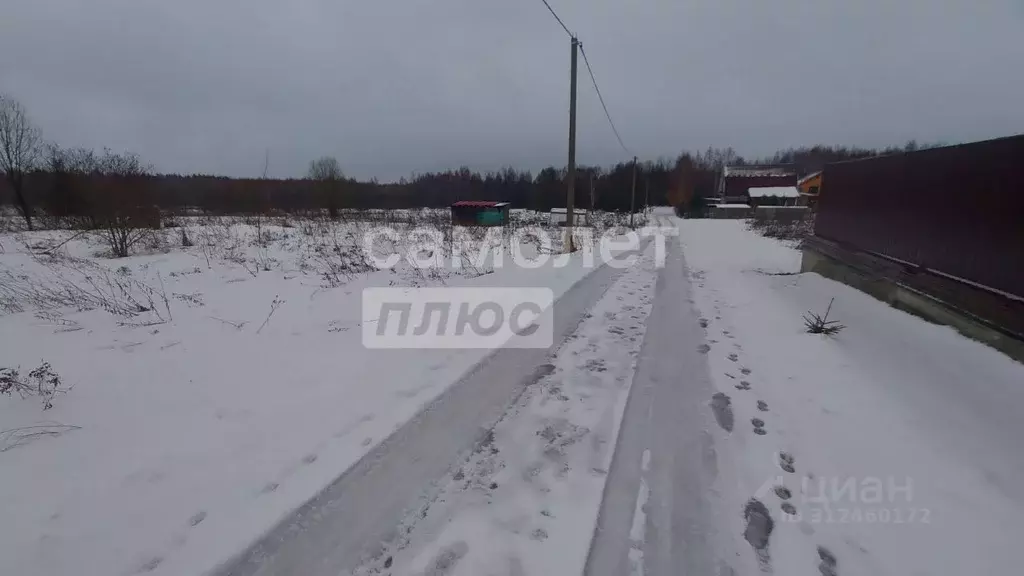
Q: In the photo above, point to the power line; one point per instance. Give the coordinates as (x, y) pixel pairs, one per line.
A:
(592, 79)
(601, 98)
(552, 10)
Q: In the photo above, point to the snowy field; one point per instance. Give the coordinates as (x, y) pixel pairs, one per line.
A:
(206, 390)
(889, 448)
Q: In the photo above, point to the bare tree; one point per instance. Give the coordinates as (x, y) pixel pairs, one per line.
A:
(67, 198)
(683, 178)
(19, 150)
(122, 205)
(329, 177)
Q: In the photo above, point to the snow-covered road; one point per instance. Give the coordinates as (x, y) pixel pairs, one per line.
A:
(659, 515)
(525, 501)
(355, 517)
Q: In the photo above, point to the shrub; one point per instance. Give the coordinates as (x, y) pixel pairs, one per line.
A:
(42, 382)
(821, 324)
(82, 285)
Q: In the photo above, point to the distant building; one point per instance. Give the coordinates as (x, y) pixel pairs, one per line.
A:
(810, 187)
(479, 213)
(774, 196)
(560, 215)
(735, 181)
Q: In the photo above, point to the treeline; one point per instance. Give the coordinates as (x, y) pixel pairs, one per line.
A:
(89, 188)
(61, 191)
(74, 182)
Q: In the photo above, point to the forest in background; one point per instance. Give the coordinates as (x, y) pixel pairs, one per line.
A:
(76, 182)
(87, 187)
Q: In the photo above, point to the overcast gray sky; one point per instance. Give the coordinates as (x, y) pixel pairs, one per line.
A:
(392, 87)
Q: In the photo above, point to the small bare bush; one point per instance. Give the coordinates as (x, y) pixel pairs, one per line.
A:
(81, 285)
(274, 305)
(338, 264)
(821, 324)
(336, 253)
(42, 382)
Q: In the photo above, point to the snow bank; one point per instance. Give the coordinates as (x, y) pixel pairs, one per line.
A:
(894, 442)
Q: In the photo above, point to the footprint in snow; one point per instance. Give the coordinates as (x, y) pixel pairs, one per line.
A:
(787, 462)
(829, 564)
(197, 518)
(759, 528)
(150, 565)
(721, 406)
(762, 405)
(734, 357)
(445, 561)
(758, 426)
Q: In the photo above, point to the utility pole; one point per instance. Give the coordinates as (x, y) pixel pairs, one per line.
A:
(647, 193)
(571, 184)
(592, 207)
(632, 195)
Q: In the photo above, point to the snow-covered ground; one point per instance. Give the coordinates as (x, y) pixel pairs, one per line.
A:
(894, 444)
(194, 426)
(203, 420)
(526, 500)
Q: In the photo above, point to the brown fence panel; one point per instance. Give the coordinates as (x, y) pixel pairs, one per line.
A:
(957, 210)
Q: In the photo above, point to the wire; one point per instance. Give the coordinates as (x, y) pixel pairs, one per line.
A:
(552, 10)
(601, 98)
(591, 71)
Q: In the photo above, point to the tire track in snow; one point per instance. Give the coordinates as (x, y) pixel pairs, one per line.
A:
(668, 416)
(639, 529)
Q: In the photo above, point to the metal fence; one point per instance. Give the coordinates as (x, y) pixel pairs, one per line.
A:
(957, 211)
